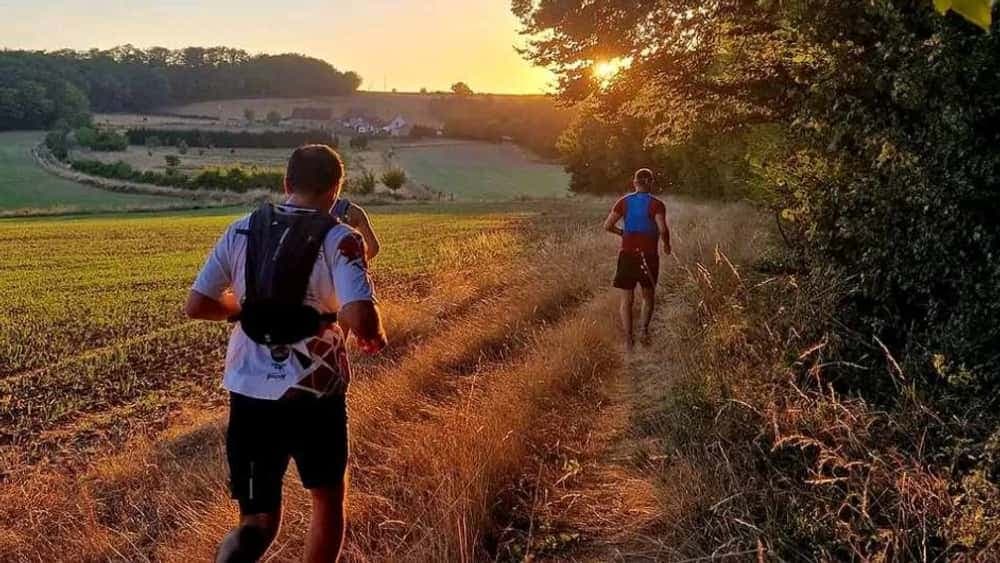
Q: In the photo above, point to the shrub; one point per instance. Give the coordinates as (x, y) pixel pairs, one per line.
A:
(359, 143)
(57, 145)
(173, 161)
(182, 147)
(394, 178)
(363, 184)
(229, 139)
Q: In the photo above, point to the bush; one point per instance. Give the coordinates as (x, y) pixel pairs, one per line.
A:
(394, 178)
(234, 179)
(363, 184)
(57, 145)
(229, 139)
(359, 143)
(182, 147)
(101, 140)
(173, 161)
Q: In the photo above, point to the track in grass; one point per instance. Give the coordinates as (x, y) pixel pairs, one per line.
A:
(24, 185)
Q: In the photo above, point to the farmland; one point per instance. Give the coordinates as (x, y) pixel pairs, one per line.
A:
(25, 186)
(500, 340)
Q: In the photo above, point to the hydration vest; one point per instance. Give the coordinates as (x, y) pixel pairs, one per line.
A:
(281, 253)
(340, 209)
(638, 220)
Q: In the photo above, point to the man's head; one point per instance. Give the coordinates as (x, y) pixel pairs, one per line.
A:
(315, 173)
(643, 180)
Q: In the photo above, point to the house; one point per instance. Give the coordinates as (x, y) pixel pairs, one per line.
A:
(398, 127)
(362, 125)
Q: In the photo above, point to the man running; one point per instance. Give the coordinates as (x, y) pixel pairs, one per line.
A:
(645, 224)
(282, 273)
(355, 217)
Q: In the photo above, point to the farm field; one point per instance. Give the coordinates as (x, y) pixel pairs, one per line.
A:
(468, 170)
(24, 185)
(503, 354)
(483, 171)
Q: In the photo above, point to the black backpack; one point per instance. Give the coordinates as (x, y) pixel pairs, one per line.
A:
(281, 252)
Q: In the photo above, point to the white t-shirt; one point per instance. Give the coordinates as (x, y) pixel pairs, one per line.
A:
(317, 364)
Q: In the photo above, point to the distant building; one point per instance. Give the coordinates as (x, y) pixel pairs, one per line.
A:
(362, 125)
(398, 127)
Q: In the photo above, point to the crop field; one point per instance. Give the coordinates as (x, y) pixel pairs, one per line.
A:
(112, 420)
(25, 186)
(483, 171)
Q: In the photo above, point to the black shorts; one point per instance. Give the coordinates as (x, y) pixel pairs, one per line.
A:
(637, 268)
(263, 435)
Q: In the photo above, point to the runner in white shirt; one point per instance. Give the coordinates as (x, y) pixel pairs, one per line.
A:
(288, 401)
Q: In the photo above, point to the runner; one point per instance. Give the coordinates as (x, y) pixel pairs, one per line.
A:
(354, 216)
(645, 223)
(280, 274)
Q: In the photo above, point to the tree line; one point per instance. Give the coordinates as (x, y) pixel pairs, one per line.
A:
(535, 122)
(868, 130)
(39, 89)
(229, 139)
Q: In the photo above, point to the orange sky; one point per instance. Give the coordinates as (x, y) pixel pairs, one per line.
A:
(404, 44)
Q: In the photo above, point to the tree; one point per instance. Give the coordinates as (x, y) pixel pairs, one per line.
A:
(394, 178)
(172, 160)
(152, 143)
(461, 89)
(182, 147)
(250, 115)
(273, 118)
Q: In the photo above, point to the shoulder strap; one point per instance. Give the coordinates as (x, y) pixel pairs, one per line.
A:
(281, 254)
(340, 209)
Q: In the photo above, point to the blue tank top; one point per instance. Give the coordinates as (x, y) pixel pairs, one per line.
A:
(638, 217)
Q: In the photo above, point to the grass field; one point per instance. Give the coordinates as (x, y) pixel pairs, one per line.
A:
(501, 368)
(483, 171)
(24, 185)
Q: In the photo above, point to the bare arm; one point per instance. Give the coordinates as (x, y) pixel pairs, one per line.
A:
(365, 321)
(359, 220)
(661, 224)
(205, 308)
(611, 223)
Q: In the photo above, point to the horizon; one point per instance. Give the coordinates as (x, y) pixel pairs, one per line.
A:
(486, 31)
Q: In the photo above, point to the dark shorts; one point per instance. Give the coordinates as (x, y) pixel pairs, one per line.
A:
(637, 268)
(263, 435)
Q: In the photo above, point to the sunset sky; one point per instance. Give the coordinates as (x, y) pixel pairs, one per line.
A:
(404, 44)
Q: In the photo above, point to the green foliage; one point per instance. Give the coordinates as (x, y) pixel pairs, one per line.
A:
(101, 140)
(979, 12)
(172, 160)
(38, 88)
(359, 142)
(362, 184)
(228, 139)
(57, 144)
(394, 178)
(234, 178)
(535, 122)
(461, 89)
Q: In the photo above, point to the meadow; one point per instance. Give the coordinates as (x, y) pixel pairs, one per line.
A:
(474, 171)
(25, 186)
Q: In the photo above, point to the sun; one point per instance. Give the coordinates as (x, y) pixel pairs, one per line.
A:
(605, 71)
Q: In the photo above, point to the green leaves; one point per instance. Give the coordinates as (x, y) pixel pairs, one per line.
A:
(979, 12)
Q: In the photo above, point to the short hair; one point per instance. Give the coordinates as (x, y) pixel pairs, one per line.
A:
(314, 170)
(644, 177)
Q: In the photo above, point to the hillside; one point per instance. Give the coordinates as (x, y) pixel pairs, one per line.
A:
(416, 108)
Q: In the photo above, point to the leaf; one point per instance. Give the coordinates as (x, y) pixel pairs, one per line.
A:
(979, 12)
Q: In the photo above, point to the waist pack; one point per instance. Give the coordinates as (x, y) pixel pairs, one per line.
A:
(281, 253)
